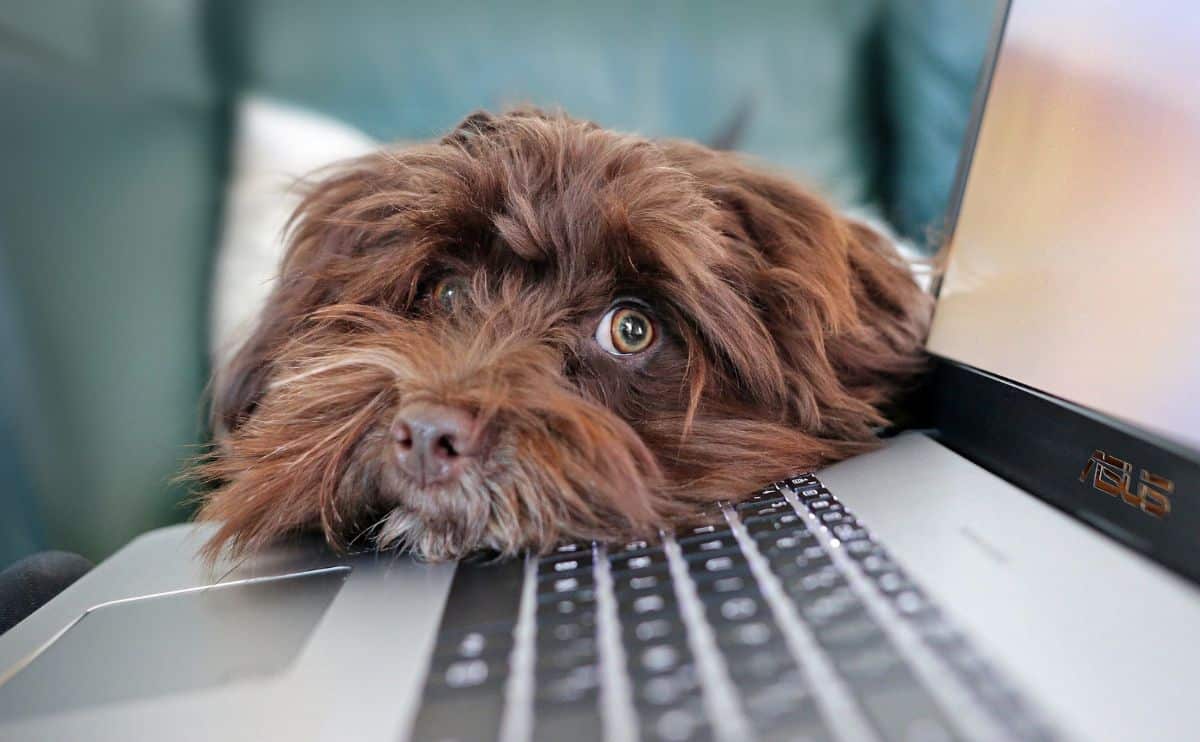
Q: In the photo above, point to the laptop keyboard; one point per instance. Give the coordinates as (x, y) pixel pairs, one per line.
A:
(779, 619)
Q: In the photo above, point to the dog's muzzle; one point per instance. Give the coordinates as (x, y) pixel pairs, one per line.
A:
(435, 442)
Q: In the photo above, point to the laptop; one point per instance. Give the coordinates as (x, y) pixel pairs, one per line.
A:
(1024, 568)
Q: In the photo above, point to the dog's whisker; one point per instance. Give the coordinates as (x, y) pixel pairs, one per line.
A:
(237, 563)
(337, 432)
(368, 532)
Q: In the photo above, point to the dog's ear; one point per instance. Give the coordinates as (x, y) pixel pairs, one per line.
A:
(476, 124)
(482, 124)
(326, 227)
(240, 382)
(846, 315)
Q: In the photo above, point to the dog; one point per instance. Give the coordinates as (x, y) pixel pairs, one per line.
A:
(537, 330)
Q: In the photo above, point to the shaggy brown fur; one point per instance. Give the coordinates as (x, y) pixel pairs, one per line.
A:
(781, 329)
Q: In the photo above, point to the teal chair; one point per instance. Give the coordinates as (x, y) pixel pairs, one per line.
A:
(20, 527)
(114, 150)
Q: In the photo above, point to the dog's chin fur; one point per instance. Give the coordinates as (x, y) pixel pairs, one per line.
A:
(782, 331)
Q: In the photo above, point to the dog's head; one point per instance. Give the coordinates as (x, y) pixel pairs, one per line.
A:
(539, 329)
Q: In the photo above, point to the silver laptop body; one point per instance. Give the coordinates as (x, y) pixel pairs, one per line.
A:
(1039, 541)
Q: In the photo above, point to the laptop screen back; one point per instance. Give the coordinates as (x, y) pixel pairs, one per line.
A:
(1075, 258)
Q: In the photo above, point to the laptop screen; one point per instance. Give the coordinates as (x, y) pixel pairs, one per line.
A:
(1075, 258)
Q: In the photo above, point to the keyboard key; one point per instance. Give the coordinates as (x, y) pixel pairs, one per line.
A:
(733, 550)
(633, 584)
(772, 507)
(799, 570)
(637, 563)
(724, 563)
(726, 584)
(578, 722)
(739, 607)
(820, 504)
(757, 665)
(707, 544)
(683, 723)
(911, 603)
(472, 673)
(633, 547)
(570, 685)
(569, 655)
(652, 629)
(647, 606)
(795, 540)
(566, 604)
(776, 522)
(556, 563)
(551, 640)
(778, 703)
(755, 633)
(907, 713)
(892, 582)
(811, 492)
(705, 530)
(873, 664)
(829, 605)
(464, 718)
(798, 724)
(854, 629)
(817, 578)
(487, 642)
(762, 506)
(861, 548)
(583, 576)
(565, 631)
(876, 561)
(578, 547)
(575, 607)
(668, 688)
(658, 658)
(766, 494)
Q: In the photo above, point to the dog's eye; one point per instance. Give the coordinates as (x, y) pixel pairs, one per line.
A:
(449, 292)
(624, 331)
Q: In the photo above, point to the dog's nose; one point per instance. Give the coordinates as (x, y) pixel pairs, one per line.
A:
(434, 441)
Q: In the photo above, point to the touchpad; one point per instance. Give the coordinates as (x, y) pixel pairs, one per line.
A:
(166, 644)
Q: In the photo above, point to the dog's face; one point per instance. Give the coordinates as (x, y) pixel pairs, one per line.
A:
(537, 329)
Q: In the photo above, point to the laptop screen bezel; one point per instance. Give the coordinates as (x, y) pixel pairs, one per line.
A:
(1105, 472)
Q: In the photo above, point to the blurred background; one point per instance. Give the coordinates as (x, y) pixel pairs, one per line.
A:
(131, 131)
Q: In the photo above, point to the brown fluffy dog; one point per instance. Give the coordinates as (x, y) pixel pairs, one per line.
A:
(537, 329)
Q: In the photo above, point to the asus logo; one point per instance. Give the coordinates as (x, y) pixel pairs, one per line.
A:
(1113, 476)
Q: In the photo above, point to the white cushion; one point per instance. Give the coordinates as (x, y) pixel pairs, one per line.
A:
(274, 145)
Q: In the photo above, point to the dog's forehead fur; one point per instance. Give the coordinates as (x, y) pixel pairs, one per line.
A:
(585, 214)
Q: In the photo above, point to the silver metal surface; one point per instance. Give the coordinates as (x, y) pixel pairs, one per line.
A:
(139, 645)
(357, 676)
(1098, 636)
